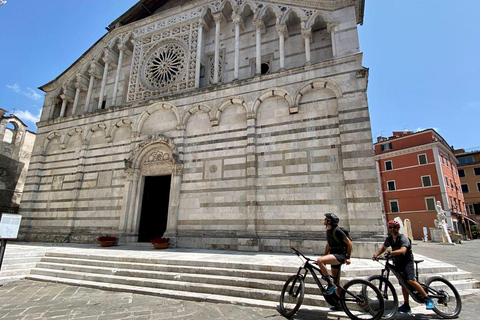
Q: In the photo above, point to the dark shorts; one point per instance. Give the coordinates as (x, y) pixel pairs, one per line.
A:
(408, 271)
(340, 258)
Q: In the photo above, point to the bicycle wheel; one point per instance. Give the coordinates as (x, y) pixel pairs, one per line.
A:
(388, 293)
(362, 300)
(292, 294)
(449, 304)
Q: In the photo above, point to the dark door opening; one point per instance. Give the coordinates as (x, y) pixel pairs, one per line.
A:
(153, 218)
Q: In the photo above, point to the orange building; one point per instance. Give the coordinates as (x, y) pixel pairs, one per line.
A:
(469, 173)
(417, 169)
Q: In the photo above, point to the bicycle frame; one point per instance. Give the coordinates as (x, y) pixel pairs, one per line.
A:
(431, 293)
(332, 299)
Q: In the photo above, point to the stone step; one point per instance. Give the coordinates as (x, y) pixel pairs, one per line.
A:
(266, 275)
(266, 294)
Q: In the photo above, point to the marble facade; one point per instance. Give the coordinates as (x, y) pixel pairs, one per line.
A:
(256, 110)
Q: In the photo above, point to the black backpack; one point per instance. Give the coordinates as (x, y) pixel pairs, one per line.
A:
(334, 234)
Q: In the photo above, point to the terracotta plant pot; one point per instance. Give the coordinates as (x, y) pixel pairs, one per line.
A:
(160, 245)
(107, 243)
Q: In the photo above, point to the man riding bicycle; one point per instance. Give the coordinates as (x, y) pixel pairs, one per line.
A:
(337, 252)
(403, 259)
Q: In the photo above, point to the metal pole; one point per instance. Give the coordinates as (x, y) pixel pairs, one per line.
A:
(2, 252)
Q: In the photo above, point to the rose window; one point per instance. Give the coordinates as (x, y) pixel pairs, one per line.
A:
(165, 65)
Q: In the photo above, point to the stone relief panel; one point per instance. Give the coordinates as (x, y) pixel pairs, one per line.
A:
(57, 182)
(158, 161)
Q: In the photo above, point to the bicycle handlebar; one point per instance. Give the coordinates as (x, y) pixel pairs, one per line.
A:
(298, 253)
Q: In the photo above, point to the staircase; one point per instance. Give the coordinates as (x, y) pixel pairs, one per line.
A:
(220, 280)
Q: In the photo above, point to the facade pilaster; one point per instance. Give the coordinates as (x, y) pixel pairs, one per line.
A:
(94, 72)
(123, 49)
(109, 58)
(331, 28)
(218, 18)
(282, 33)
(239, 26)
(260, 28)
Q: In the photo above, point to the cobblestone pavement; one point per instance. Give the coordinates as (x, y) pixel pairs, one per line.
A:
(28, 300)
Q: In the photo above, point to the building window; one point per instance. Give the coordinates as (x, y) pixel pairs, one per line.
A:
(466, 160)
(426, 181)
(446, 181)
(430, 202)
(461, 173)
(388, 165)
(422, 159)
(476, 171)
(478, 186)
(443, 160)
(393, 206)
(391, 185)
(465, 188)
(451, 184)
(386, 146)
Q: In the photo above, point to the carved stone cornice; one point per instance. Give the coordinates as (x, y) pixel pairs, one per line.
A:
(95, 70)
(81, 82)
(110, 57)
(424, 147)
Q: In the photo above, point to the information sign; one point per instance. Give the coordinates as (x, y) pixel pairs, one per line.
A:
(9, 226)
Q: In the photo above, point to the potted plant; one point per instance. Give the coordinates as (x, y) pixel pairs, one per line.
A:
(107, 240)
(160, 243)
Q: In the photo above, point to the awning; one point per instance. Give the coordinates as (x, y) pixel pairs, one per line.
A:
(474, 221)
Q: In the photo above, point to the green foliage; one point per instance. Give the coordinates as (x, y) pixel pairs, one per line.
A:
(475, 230)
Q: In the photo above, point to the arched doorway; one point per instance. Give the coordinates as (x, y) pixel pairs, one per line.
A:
(152, 175)
(155, 204)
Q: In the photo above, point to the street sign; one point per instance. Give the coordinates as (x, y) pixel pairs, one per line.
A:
(9, 226)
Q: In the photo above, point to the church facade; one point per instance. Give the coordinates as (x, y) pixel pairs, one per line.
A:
(231, 124)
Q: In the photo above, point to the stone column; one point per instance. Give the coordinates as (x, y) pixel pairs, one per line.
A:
(109, 57)
(122, 48)
(260, 27)
(64, 105)
(218, 18)
(53, 103)
(307, 36)
(331, 28)
(94, 72)
(80, 84)
(239, 25)
(282, 32)
(251, 176)
(201, 26)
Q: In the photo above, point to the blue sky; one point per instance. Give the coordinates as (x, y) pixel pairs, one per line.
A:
(423, 56)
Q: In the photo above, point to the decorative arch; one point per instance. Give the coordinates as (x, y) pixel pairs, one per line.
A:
(71, 133)
(124, 122)
(318, 84)
(95, 128)
(230, 102)
(250, 4)
(197, 108)
(52, 135)
(325, 16)
(274, 92)
(154, 108)
(275, 9)
(299, 13)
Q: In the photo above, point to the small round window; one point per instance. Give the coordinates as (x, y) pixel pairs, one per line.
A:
(265, 68)
(164, 66)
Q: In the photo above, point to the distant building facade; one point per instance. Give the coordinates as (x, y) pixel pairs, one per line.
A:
(231, 124)
(469, 173)
(416, 170)
(16, 145)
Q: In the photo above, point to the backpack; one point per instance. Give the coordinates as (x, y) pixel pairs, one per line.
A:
(334, 233)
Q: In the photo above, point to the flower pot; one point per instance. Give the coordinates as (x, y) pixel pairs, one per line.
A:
(107, 243)
(160, 245)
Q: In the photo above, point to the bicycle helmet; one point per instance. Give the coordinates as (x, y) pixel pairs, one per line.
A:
(333, 218)
(393, 223)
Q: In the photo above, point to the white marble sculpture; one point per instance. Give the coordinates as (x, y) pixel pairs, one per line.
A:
(441, 223)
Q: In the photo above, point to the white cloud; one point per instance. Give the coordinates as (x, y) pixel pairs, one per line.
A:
(473, 104)
(29, 93)
(27, 116)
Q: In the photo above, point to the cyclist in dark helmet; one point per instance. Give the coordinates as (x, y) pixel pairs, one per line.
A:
(337, 252)
(403, 259)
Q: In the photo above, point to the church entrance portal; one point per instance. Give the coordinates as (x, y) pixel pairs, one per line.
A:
(153, 218)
